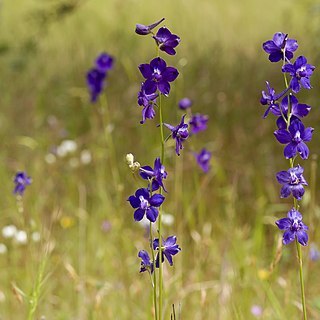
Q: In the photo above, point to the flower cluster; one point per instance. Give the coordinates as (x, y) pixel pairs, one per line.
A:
(96, 77)
(147, 202)
(21, 180)
(291, 131)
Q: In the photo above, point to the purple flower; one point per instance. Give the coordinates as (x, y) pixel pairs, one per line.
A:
(270, 99)
(299, 110)
(146, 263)
(294, 228)
(169, 249)
(292, 182)
(198, 123)
(145, 204)
(158, 76)
(295, 139)
(185, 103)
(179, 133)
(203, 159)
(21, 180)
(147, 101)
(143, 30)
(314, 253)
(104, 62)
(156, 175)
(280, 46)
(300, 72)
(166, 40)
(95, 82)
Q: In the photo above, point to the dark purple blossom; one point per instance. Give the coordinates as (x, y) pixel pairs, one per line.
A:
(203, 159)
(270, 99)
(166, 40)
(146, 263)
(95, 82)
(292, 182)
(158, 76)
(314, 253)
(295, 139)
(104, 62)
(148, 102)
(294, 228)
(145, 204)
(279, 47)
(198, 123)
(179, 133)
(169, 249)
(300, 72)
(185, 103)
(143, 30)
(156, 175)
(21, 180)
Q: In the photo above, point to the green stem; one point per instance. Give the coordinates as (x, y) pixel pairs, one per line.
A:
(303, 299)
(154, 282)
(160, 214)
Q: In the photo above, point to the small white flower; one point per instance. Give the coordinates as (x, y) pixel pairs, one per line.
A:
(9, 231)
(66, 147)
(3, 248)
(85, 157)
(50, 158)
(21, 237)
(35, 236)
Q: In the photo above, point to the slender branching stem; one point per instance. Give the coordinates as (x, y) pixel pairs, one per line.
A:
(303, 298)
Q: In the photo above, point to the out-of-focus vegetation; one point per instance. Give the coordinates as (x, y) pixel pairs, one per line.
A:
(224, 221)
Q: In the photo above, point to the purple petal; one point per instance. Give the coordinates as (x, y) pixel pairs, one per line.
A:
(152, 214)
(302, 237)
(275, 56)
(164, 87)
(283, 177)
(293, 214)
(288, 237)
(155, 244)
(307, 135)
(289, 68)
(284, 224)
(138, 214)
(301, 60)
(170, 74)
(163, 34)
(295, 86)
(156, 200)
(168, 49)
(283, 136)
(146, 70)
(300, 110)
(290, 150)
(270, 47)
(159, 64)
(169, 257)
(305, 81)
(279, 38)
(142, 192)
(285, 191)
(291, 45)
(303, 150)
(297, 191)
(135, 202)
(144, 256)
(146, 172)
(150, 87)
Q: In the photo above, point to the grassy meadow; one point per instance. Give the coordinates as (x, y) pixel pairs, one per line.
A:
(80, 259)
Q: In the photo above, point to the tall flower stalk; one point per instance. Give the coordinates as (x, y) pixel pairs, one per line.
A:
(148, 201)
(293, 134)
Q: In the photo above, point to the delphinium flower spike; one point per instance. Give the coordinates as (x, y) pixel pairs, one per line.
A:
(293, 133)
(180, 133)
(21, 181)
(96, 77)
(158, 77)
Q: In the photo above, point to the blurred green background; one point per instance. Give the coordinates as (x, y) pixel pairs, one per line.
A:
(224, 221)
